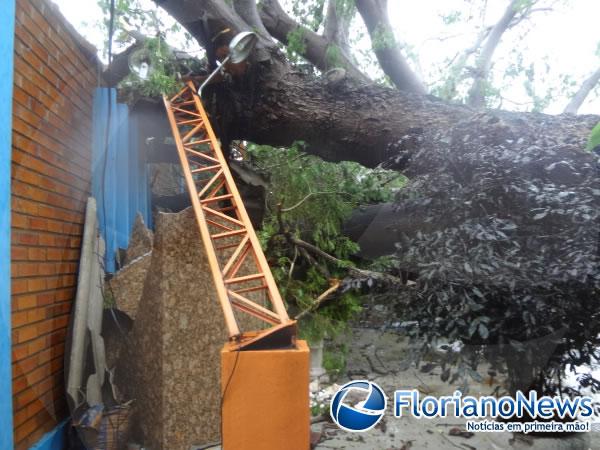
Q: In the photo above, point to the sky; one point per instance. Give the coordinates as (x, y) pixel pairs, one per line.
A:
(558, 42)
(567, 36)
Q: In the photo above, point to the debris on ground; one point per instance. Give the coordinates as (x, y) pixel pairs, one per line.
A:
(456, 431)
(376, 335)
(99, 414)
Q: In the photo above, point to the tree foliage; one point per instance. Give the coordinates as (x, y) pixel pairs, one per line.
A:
(513, 275)
(310, 199)
(162, 77)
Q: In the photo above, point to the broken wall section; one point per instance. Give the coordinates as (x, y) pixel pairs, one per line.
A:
(171, 366)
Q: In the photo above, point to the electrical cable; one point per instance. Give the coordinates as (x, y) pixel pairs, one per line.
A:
(235, 363)
(237, 356)
(111, 25)
(111, 30)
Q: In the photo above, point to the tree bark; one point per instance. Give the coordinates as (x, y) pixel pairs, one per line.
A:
(344, 120)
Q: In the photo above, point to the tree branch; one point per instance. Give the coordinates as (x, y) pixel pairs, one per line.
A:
(337, 25)
(291, 208)
(276, 105)
(476, 97)
(357, 273)
(458, 64)
(318, 51)
(249, 12)
(320, 300)
(580, 96)
(392, 62)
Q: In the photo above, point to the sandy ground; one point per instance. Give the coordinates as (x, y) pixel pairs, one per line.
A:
(377, 356)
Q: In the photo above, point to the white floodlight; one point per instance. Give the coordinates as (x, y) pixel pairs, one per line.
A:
(239, 49)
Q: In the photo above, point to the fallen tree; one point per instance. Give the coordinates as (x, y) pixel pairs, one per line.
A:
(500, 217)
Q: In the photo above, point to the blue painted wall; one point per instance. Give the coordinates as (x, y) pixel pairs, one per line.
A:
(53, 440)
(119, 173)
(7, 23)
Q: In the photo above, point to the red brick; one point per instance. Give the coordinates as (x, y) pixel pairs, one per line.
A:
(18, 286)
(19, 352)
(25, 334)
(24, 398)
(24, 302)
(19, 385)
(35, 315)
(18, 319)
(58, 337)
(25, 238)
(24, 269)
(36, 254)
(37, 345)
(19, 221)
(25, 365)
(57, 310)
(36, 284)
(24, 206)
(22, 431)
(18, 253)
(45, 298)
(20, 417)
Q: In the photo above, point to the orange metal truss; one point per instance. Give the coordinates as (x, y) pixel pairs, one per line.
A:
(237, 262)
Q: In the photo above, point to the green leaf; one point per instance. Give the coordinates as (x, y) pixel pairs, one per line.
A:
(594, 140)
(483, 331)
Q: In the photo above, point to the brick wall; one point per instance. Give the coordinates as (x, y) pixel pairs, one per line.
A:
(55, 74)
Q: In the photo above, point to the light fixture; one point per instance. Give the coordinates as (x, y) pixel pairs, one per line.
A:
(239, 49)
(140, 63)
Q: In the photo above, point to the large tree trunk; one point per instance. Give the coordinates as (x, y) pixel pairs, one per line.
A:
(342, 117)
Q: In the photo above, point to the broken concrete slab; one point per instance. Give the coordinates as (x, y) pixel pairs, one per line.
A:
(140, 242)
(86, 324)
(94, 323)
(172, 365)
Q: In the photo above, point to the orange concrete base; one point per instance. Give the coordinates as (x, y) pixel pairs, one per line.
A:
(265, 406)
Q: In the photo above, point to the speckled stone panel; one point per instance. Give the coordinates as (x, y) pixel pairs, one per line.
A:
(172, 366)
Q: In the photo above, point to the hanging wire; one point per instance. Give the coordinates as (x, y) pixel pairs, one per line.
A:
(111, 29)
